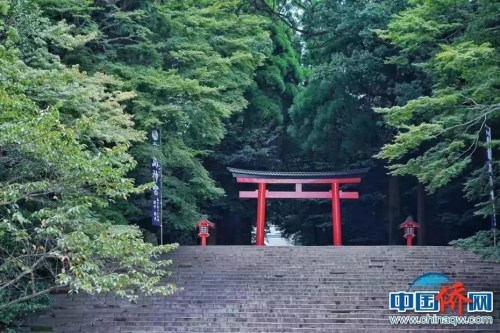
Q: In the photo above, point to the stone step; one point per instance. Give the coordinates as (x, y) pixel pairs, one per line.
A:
(273, 289)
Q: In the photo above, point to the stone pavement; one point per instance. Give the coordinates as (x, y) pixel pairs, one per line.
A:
(276, 289)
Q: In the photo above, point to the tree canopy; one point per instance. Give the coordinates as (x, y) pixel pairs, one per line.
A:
(189, 64)
(64, 157)
(456, 44)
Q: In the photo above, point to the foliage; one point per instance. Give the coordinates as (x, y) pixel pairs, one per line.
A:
(271, 84)
(64, 139)
(256, 137)
(456, 44)
(481, 243)
(332, 118)
(190, 63)
(356, 66)
(477, 189)
(14, 315)
(349, 77)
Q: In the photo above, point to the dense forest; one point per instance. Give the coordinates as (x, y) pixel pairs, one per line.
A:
(406, 88)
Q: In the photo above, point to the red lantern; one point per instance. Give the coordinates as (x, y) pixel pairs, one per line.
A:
(409, 227)
(203, 228)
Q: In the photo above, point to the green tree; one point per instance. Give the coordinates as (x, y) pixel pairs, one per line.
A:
(456, 44)
(64, 139)
(190, 63)
(348, 78)
(332, 118)
(256, 137)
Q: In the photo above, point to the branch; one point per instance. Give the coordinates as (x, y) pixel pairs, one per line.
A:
(299, 4)
(30, 195)
(129, 39)
(473, 145)
(494, 28)
(492, 108)
(23, 274)
(33, 286)
(26, 298)
(285, 20)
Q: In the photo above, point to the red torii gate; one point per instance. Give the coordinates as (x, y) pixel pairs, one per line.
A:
(262, 178)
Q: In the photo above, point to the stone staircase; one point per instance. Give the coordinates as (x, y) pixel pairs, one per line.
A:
(277, 289)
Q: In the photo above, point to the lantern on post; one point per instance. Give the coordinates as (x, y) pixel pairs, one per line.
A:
(409, 227)
(203, 228)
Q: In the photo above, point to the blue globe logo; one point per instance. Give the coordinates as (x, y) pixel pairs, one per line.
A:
(429, 281)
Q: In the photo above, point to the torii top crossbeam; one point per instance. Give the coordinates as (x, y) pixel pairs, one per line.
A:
(262, 178)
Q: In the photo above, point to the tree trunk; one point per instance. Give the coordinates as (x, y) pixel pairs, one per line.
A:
(394, 206)
(421, 213)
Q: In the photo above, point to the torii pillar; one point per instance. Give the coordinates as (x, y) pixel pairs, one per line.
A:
(262, 178)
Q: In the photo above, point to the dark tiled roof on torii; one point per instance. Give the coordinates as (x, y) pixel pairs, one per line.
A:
(241, 173)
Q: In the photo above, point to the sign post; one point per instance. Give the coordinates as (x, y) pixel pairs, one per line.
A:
(492, 187)
(156, 208)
